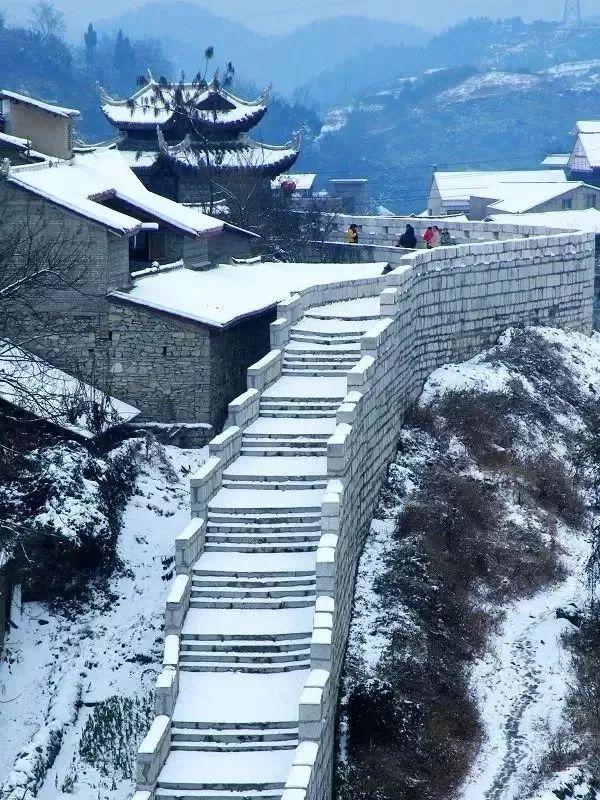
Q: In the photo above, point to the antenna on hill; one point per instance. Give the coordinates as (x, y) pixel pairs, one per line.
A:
(572, 13)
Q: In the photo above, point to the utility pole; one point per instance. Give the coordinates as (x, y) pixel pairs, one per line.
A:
(572, 13)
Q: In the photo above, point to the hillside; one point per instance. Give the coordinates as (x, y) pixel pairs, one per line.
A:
(288, 61)
(459, 117)
(506, 45)
(470, 670)
(52, 69)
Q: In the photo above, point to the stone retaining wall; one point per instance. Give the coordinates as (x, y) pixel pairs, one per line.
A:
(436, 306)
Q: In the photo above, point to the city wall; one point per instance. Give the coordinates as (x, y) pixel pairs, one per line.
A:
(436, 306)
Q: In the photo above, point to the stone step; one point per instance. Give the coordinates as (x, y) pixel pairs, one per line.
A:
(312, 373)
(216, 794)
(231, 747)
(331, 355)
(208, 666)
(248, 658)
(287, 440)
(269, 591)
(268, 517)
(278, 482)
(244, 502)
(318, 338)
(299, 414)
(304, 547)
(294, 404)
(283, 450)
(332, 326)
(264, 538)
(318, 363)
(323, 348)
(257, 571)
(253, 583)
(235, 647)
(284, 601)
(242, 734)
(269, 527)
(367, 309)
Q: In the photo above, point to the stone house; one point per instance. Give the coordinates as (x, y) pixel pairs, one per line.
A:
(110, 229)
(48, 128)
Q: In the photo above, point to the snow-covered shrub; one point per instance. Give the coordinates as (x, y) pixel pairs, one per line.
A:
(61, 514)
(113, 732)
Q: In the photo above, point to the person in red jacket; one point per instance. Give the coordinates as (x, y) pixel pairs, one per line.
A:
(429, 236)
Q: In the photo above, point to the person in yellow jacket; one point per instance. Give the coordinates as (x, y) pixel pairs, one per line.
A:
(352, 234)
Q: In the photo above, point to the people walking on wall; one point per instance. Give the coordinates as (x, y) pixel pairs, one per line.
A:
(445, 239)
(429, 236)
(408, 239)
(352, 234)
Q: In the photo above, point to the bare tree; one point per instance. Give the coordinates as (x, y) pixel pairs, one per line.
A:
(43, 272)
(47, 20)
(181, 101)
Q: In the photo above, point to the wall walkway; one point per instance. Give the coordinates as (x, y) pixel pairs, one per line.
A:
(258, 615)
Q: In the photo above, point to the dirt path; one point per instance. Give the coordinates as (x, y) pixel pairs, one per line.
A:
(520, 686)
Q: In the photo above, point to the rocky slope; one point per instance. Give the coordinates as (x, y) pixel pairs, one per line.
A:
(472, 587)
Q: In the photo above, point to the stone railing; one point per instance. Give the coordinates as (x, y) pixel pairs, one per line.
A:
(384, 231)
(437, 306)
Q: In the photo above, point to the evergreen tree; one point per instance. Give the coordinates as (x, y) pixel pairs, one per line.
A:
(90, 37)
(123, 56)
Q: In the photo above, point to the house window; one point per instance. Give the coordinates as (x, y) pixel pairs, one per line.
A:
(591, 200)
(567, 204)
(5, 108)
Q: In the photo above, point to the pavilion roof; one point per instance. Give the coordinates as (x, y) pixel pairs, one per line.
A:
(212, 107)
(241, 154)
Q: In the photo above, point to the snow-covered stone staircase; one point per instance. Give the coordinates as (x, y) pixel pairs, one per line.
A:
(244, 647)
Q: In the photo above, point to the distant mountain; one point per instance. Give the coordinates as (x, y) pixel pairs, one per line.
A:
(288, 61)
(455, 118)
(507, 44)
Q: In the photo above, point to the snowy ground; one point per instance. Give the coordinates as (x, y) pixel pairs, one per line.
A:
(58, 669)
(521, 684)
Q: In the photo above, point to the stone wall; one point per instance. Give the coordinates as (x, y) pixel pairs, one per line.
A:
(160, 364)
(436, 306)
(439, 306)
(67, 326)
(179, 371)
(232, 351)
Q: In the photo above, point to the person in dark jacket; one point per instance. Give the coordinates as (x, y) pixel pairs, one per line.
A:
(408, 238)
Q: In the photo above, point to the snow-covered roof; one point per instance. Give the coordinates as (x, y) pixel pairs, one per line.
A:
(139, 159)
(14, 141)
(304, 180)
(221, 296)
(587, 220)
(521, 197)
(29, 383)
(460, 186)
(82, 184)
(560, 160)
(240, 154)
(587, 126)
(213, 107)
(586, 153)
(57, 111)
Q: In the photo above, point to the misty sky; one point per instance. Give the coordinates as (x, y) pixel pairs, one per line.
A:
(282, 15)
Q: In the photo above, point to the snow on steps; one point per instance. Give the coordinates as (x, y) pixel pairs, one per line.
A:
(250, 633)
